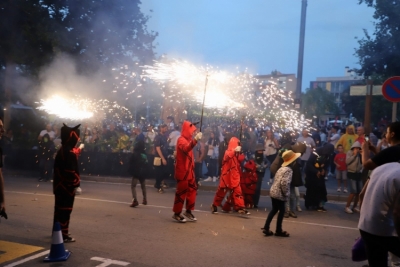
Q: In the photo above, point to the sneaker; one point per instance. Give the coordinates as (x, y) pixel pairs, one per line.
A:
(326, 177)
(339, 189)
(321, 209)
(160, 190)
(188, 214)
(41, 180)
(299, 209)
(286, 215)
(209, 179)
(292, 214)
(243, 212)
(214, 209)
(214, 179)
(144, 201)
(69, 239)
(165, 186)
(179, 218)
(348, 210)
(134, 204)
(345, 190)
(356, 209)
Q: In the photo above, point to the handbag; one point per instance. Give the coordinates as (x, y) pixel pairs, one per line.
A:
(358, 251)
(157, 161)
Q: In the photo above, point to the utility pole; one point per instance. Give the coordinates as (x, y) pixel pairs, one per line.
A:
(301, 53)
(368, 102)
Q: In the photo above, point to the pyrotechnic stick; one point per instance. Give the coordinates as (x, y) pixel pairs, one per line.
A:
(241, 129)
(204, 100)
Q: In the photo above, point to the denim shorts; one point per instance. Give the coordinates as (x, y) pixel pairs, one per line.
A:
(341, 175)
(355, 183)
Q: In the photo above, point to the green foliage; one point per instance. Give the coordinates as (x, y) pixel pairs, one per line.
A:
(379, 54)
(317, 102)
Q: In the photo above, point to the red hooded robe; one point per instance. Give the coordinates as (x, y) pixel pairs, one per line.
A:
(184, 169)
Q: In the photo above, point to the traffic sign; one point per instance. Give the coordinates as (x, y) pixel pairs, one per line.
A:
(391, 89)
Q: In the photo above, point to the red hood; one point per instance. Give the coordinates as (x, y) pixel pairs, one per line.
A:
(233, 143)
(250, 165)
(188, 129)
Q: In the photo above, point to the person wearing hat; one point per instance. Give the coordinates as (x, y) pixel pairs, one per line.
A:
(297, 181)
(260, 165)
(354, 168)
(280, 192)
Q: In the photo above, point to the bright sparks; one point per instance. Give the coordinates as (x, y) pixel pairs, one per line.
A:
(78, 108)
(73, 109)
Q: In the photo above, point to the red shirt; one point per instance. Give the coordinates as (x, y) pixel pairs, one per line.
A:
(340, 159)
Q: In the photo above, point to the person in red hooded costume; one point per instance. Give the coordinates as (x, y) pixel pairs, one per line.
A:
(66, 178)
(248, 183)
(230, 179)
(186, 187)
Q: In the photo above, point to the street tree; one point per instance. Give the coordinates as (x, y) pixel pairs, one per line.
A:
(317, 102)
(378, 53)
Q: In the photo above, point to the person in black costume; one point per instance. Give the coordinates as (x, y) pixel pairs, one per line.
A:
(137, 167)
(316, 194)
(66, 178)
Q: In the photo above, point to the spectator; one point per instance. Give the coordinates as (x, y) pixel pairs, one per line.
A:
(212, 157)
(137, 169)
(323, 137)
(309, 142)
(271, 147)
(161, 151)
(316, 137)
(199, 154)
(46, 158)
(354, 167)
(347, 139)
(334, 136)
(260, 165)
(170, 123)
(2, 198)
(48, 131)
(361, 135)
(388, 155)
(382, 144)
(341, 169)
(139, 135)
(379, 222)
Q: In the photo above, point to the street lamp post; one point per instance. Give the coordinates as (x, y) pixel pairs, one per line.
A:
(301, 52)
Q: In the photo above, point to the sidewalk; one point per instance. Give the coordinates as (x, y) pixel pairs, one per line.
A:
(331, 183)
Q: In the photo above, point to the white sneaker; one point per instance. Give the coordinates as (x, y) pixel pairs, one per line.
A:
(339, 190)
(326, 177)
(356, 209)
(348, 210)
(209, 179)
(345, 190)
(214, 179)
(298, 208)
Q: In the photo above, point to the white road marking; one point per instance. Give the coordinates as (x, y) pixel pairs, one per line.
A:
(202, 211)
(28, 259)
(107, 262)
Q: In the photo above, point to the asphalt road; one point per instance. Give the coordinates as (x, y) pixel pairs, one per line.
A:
(106, 227)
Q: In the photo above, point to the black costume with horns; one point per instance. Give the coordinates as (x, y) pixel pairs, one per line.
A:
(66, 176)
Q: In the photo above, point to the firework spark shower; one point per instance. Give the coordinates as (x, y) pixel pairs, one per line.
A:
(241, 91)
